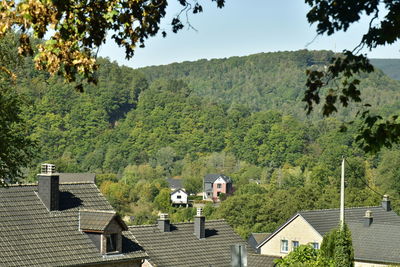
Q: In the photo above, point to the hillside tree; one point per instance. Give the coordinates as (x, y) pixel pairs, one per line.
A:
(341, 78)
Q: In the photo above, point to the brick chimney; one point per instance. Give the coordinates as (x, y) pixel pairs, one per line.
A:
(368, 218)
(163, 223)
(48, 187)
(200, 224)
(386, 203)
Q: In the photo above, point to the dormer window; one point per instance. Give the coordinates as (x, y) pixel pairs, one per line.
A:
(104, 228)
(111, 245)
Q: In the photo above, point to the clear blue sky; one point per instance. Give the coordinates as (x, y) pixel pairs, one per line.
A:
(242, 28)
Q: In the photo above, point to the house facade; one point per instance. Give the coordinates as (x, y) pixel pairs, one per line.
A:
(215, 185)
(52, 223)
(179, 197)
(375, 233)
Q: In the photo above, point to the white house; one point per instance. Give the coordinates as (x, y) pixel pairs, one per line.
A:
(179, 196)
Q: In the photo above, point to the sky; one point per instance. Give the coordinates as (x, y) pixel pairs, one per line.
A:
(242, 27)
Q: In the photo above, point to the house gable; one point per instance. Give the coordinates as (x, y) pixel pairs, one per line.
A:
(179, 196)
(296, 229)
(220, 181)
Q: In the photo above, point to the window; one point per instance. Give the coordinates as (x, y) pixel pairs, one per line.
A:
(315, 245)
(219, 185)
(111, 243)
(178, 196)
(295, 244)
(284, 246)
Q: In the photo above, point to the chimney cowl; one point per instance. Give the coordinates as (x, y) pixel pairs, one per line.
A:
(199, 212)
(368, 218)
(386, 203)
(47, 168)
(164, 223)
(368, 214)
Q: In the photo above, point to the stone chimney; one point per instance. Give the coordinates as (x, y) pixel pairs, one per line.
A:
(48, 187)
(386, 203)
(368, 218)
(163, 223)
(200, 224)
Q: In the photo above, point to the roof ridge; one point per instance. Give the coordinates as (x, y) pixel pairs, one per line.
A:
(78, 182)
(178, 223)
(63, 183)
(349, 208)
(102, 211)
(17, 185)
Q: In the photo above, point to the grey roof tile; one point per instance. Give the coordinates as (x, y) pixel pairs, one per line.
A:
(174, 183)
(210, 178)
(77, 177)
(180, 247)
(32, 236)
(325, 220)
(258, 260)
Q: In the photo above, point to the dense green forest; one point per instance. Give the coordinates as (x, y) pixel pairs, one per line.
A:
(240, 116)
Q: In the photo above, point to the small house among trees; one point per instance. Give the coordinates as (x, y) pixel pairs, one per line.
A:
(215, 185)
(179, 197)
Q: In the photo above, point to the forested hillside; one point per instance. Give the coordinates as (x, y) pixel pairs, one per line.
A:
(267, 80)
(240, 116)
(390, 66)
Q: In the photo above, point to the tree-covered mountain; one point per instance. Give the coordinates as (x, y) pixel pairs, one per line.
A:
(268, 81)
(240, 116)
(390, 66)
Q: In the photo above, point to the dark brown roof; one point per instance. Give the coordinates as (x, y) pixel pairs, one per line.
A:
(181, 247)
(258, 260)
(32, 236)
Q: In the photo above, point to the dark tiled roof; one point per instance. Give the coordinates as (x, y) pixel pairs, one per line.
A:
(174, 183)
(255, 239)
(180, 247)
(77, 177)
(210, 178)
(258, 260)
(325, 220)
(97, 220)
(32, 236)
(379, 242)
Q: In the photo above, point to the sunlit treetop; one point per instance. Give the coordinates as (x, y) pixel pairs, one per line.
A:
(75, 29)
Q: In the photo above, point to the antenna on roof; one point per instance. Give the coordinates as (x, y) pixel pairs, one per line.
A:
(342, 197)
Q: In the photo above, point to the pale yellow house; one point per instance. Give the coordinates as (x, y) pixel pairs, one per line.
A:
(375, 233)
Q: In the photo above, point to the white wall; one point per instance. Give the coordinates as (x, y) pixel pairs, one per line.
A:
(183, 197)
(298, 230)
(366, 264)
